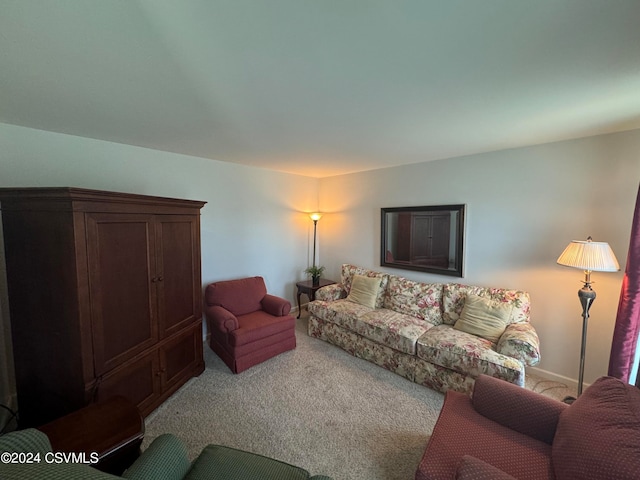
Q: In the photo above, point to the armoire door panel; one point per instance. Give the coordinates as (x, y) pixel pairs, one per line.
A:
(121, 271)
(178, 272)
(441, 237)
(180, 356)
(139, 381)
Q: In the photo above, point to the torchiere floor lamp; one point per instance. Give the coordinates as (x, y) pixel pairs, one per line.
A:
(315, 217)
(589, 256)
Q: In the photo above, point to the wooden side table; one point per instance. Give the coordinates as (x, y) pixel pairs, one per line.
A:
(114, 429)
(307, 288)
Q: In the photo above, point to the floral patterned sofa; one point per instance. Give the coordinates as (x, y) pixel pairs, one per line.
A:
(410, 331)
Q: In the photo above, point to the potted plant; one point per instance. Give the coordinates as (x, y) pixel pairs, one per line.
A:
(315, 272)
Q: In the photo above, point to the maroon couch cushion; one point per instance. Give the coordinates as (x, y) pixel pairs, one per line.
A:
(460, 431)
(238, 296)
(598, 436)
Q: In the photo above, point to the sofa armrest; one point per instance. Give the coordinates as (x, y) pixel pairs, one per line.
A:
(472, 468)
(517, 408)
(165, 459)
(221, 319)
(521, 342)
(330, 293)
(276, 306)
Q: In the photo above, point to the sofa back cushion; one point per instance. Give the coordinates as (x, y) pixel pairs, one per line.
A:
(238, 296)
(420, 300)
(598, 436)
(364, 290)
(454, 295)
(349, 271)
(484, 317)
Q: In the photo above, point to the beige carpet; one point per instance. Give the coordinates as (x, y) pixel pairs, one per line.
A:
(316, 407)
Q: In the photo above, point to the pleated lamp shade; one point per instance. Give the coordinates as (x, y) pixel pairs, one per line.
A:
(589, 256)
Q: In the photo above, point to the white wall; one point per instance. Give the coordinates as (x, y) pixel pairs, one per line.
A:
(523, 207)
(252, 223)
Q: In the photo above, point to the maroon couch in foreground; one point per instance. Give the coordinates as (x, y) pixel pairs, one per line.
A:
(247, 325)
(504, 432)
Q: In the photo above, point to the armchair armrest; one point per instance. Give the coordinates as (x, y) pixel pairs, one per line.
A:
(165, 459)
(28, 440)
(517, 408)
(330, 293)
(472, 468)
(521, 342)
(275, 305)
(221, 319)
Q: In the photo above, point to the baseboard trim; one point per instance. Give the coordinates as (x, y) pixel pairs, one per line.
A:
(547, 375)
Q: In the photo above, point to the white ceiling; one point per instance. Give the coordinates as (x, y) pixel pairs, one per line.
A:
(321, 87)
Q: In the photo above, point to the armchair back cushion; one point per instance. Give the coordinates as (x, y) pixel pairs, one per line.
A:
(240, 296)
(598, 436)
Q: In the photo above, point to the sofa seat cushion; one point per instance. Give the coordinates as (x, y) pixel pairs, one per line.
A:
(598, 436)
(420, 300)
(341, 312)
(466, 353)
(392, 329)
(460, 431)
(454, 294)
(258, 325)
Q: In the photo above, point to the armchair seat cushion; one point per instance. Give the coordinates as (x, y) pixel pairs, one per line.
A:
(257, 325)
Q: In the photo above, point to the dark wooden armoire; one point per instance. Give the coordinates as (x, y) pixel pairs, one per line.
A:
(104, 297)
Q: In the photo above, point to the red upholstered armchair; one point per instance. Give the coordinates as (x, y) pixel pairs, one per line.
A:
(247, 325)
(505, 432)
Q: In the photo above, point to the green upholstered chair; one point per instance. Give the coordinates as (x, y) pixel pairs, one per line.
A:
(165, 459)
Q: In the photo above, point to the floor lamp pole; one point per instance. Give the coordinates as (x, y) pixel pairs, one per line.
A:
(587, 296)
(315, 225)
